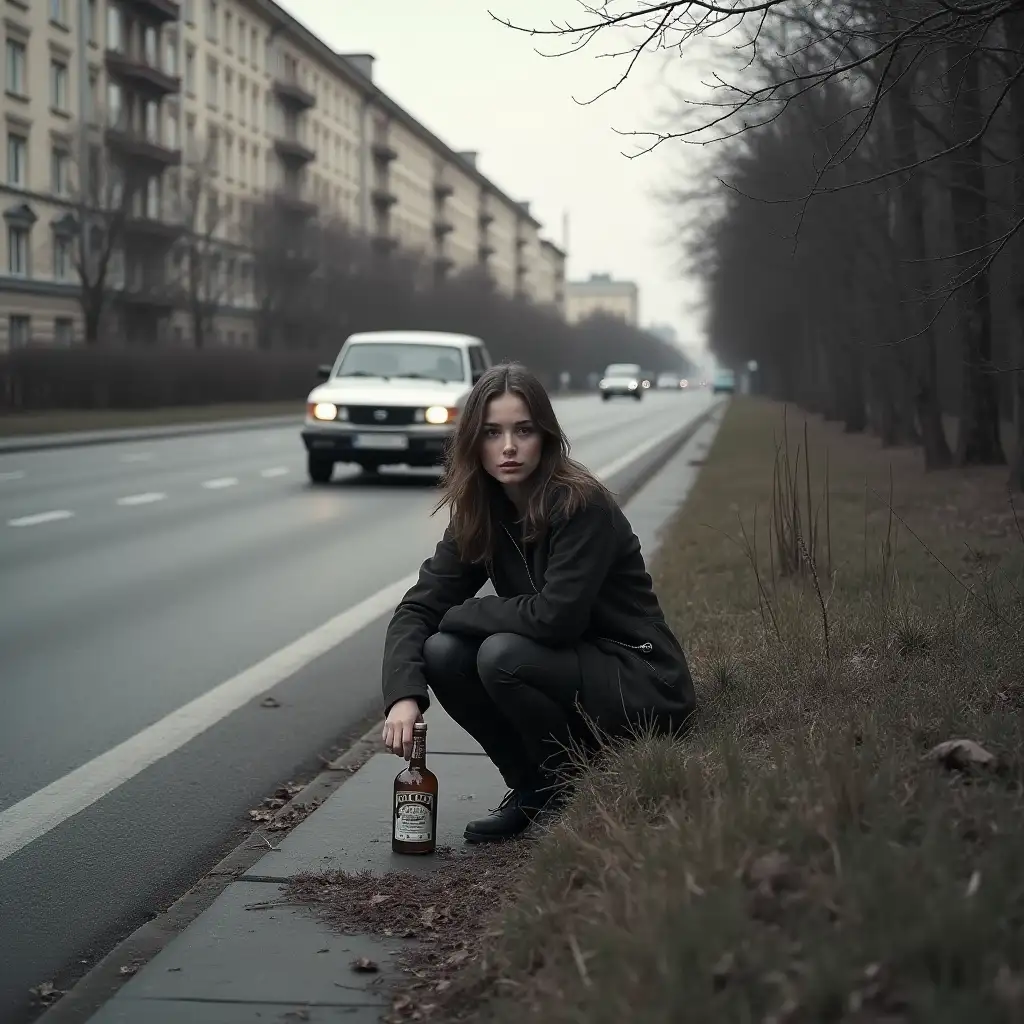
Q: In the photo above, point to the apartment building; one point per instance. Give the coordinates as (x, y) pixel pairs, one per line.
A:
(196, 111)
(600, 293)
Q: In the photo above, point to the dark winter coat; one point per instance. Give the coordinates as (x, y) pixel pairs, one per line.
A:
(582, 584)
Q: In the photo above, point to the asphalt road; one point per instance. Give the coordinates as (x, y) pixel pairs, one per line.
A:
(139, 577)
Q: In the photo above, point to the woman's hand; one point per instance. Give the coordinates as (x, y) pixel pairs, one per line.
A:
(397, 735)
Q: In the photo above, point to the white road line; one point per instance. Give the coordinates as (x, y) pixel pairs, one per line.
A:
(274, 471)
(27, 820)
(14, 474)
(41, 517)
(137, 457)
(220, 483)
(147, 498)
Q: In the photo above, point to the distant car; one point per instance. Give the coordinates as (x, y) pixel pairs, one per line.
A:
(623, 379)
(723, 381)
(391, 398)
(667, 380)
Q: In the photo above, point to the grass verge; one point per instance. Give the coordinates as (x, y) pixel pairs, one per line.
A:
(817, 849)
(74, 421)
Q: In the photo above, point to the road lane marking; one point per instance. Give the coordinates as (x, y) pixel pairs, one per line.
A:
(14, 474)
(41, 812)
(146, 498)
(274, 471)
(220, 483)
(41, 517)
(137, 457)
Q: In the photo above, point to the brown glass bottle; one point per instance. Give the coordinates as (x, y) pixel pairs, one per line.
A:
(414, 809)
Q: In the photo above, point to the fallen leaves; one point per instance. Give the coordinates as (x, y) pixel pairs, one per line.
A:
(46, 993)
(268, 813)
(364, 965)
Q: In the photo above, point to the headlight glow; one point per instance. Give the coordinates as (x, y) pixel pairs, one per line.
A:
(324, 411)
(633, 385)
(438, 414)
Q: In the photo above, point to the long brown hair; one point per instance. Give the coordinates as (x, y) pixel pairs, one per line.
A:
(559, 486)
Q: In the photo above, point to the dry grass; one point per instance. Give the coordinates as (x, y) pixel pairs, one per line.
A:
(805, 855)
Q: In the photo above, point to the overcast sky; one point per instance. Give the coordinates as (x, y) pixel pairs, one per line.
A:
(481, 86)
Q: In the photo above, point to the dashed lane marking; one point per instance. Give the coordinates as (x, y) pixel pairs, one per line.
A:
(273, 471)
(220, 483)
(14, 474)
(54, 516)
(146, 498)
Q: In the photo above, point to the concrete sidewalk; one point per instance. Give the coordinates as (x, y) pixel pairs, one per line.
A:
(245, 959)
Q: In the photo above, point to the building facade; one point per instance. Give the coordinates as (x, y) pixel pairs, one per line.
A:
(181, 118)
(602, 294)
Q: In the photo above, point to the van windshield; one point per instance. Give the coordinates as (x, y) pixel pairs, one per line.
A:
(398, 359)
(623, 370)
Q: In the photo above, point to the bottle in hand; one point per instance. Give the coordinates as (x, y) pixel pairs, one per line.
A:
(414, 817)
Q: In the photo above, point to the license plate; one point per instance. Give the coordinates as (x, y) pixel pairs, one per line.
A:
(391, 442)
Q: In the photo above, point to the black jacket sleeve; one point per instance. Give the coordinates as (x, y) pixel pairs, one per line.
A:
(445, 580)
(582, 550)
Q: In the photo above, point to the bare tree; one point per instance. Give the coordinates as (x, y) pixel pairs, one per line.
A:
(94, 227)
(200, 252)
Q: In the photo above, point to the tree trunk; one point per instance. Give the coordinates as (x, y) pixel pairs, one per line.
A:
(978, 440)
(1015, 36)
(914, 277)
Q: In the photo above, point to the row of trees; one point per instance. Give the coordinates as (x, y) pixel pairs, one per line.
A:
(305, 280)
(860, 226)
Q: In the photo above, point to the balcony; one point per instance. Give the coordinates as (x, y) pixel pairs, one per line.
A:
(292, 202)
(152, 229)
(443, 227)
(291, 149)
(289, 91)
(486, 218)
(486, 252)
(155, 10)
(385, 244)
(520, 242)
(383, 151)
(383, 198)
(443, 191)
(133, 144)
(136, 72)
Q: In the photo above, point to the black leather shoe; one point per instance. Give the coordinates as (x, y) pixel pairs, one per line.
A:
(512, 816)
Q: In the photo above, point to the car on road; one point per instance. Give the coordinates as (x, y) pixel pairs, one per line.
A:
(723, 381)
(668, 380)
(390, 398)
(623, 379)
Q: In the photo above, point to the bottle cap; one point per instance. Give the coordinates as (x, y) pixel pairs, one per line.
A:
(419, 727)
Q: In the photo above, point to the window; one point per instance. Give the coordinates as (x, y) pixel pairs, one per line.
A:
(17, 160)
(92, 100)
(254, 48)
(229, 90)
(211, 83)
(190, 11)
(60, 165)
(59, 11)
(114, 35)
(16, 74)
(114, 104)
(19, 331)
(58, 85)
(211, 20)
(190, 69)
(17, 250)
(90, 18)
(228, 30)
(171, 54)
(242, 36)
(64, 332)
(150, 47)
(62, 265)
(173, 138)
(256, 106)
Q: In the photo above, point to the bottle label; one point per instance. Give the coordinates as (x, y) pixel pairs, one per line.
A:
(414, 817)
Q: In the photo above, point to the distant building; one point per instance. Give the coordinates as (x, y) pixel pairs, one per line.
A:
(602, 294)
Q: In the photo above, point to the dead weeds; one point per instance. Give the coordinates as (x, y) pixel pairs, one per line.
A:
(838, 839)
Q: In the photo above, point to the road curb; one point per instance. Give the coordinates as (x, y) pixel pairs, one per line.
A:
(101, 983)
(88, 439)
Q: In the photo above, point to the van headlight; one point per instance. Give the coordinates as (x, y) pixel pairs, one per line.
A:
(438, 415)
(326, 411)
(633, 385)
(603, 384)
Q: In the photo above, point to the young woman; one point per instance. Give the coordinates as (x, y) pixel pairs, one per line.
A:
(575, 623)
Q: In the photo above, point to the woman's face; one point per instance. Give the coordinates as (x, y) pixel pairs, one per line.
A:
(511, 445)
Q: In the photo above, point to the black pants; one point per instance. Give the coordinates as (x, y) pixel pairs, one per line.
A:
(515, 697)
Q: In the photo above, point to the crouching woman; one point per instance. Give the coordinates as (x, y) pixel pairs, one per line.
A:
(574, 625)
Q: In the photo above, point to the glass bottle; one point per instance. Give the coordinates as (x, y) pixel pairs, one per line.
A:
(414, 810)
